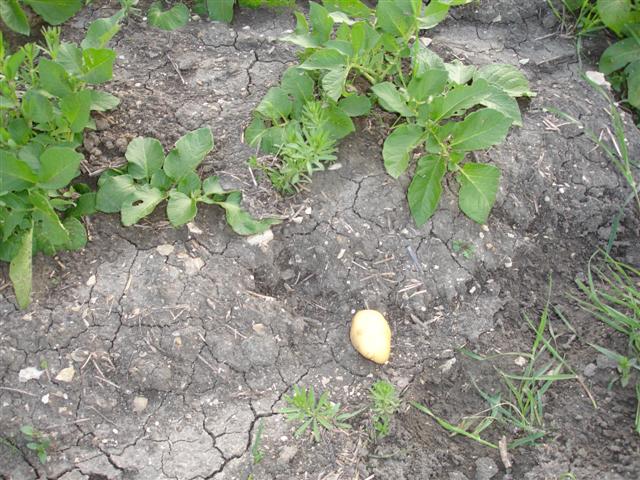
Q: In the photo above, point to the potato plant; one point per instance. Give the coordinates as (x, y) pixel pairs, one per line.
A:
(150, 177)
(46, 100)
(355, 56)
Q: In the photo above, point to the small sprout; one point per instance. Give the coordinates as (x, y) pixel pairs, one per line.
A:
(384, 404)
(36, 442)
(466, 249)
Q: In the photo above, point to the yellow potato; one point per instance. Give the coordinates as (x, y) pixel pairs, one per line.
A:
(371, 336)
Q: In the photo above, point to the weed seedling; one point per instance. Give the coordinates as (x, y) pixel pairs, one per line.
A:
(466, 249)
(36, 442)
(256, 452)
(384, 404)
(315, 414)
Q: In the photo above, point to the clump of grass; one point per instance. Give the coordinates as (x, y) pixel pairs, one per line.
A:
(612, 295)
(519, 406)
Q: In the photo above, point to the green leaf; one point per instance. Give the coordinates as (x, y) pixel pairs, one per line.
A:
(398, 147)
(54, 78)
(181, 209)
(6, 103)
(633, 83)
(426, 188)
(101, 31)
(240, 221)
(140, 203)
(15, 175)
(478, 189)
(193, 147)
(615, 14)
(619, 55)
(333, 82)
(506, 77)
(299, 85)
(12, 64)
(55, 12)
(172, 19)
(37, 107)
(189, 184)
(103, 101)
(145, 157)
(502, 102)
(276, 104)
(353, 8)
(390, 99)
(76, 108)
(70, 57)
(19, 130)
(435, 13)
(113, 192)
(325, 59)
(14, 16)
(271, 139)
(338, 123)
(77, 233)
(479, 130)
(254, 132)
(161, 181)
(364, 37)
(301, 36)
(220, 10)
(355, 105)
(211, 186)
(396, 17)
(458, 72)
(342, 46)
(97, 65)
(321, 23)
(423, 60)
(50, 228)
(459, 99)
(20, 271)
(85, 205)
(58, 166)
(429, 84)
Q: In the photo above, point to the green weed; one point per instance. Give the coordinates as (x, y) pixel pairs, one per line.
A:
(315, 414)
(519, 406)
(37, 442)
(308, 145)
(384, 404)
(256, 452)
(612, 295)
(467, 249)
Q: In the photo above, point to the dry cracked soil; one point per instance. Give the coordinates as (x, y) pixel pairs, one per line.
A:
(183, 343)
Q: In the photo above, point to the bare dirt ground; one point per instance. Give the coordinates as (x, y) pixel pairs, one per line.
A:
(208, 332)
